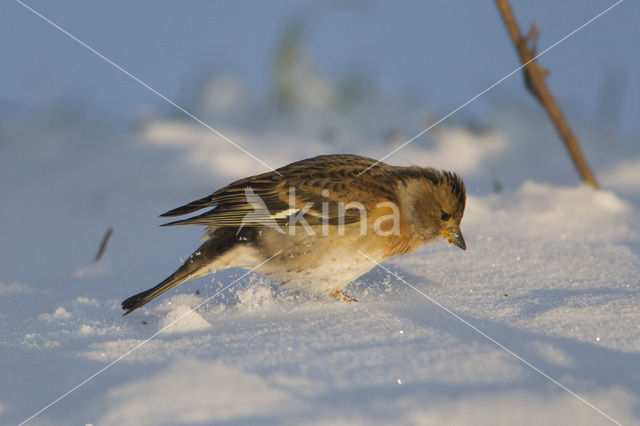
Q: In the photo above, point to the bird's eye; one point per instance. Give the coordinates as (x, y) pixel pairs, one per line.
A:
(445, 216)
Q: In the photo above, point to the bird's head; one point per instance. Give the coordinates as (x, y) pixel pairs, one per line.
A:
(434, 203)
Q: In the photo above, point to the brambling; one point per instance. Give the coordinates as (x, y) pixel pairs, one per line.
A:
(308, 223)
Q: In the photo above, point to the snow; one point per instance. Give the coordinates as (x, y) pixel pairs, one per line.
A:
(239, 394)
(14, 288)
(551, 273)
(60, 314)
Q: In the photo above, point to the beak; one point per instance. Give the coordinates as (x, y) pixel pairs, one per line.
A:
(455, 238)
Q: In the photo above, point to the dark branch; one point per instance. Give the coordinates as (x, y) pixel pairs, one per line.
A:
(535, 83)
(103, 245)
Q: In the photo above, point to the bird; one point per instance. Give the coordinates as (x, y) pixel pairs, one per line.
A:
(318, 224)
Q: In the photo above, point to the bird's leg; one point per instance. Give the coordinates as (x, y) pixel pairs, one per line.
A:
(340, 295)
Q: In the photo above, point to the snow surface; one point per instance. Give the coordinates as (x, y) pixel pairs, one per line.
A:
(551, 273)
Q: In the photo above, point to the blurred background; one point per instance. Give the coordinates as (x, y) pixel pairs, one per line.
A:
(84, 147)
(387, 69)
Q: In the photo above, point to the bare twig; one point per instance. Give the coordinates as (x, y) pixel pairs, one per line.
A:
(103, 244)
(535, 82)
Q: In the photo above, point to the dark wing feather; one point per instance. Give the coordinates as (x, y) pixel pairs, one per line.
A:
(322, 187)
(190, 208)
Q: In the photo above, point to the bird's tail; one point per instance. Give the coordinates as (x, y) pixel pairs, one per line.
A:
(197, 265)
(140, 299)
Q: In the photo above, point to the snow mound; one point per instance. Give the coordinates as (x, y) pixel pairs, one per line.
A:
(457, 149)
(60, 314)
(178, 315)
(539, 210)
(174, 396)
(624, 175)
(89, 301)
(579, 200)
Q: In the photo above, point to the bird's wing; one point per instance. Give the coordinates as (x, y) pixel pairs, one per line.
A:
(326, 188)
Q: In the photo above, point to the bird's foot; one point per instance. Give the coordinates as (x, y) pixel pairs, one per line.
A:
(340, 295)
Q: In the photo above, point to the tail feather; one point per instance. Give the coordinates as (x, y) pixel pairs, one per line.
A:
(140, 299)
(191, 207)
(199, 264)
